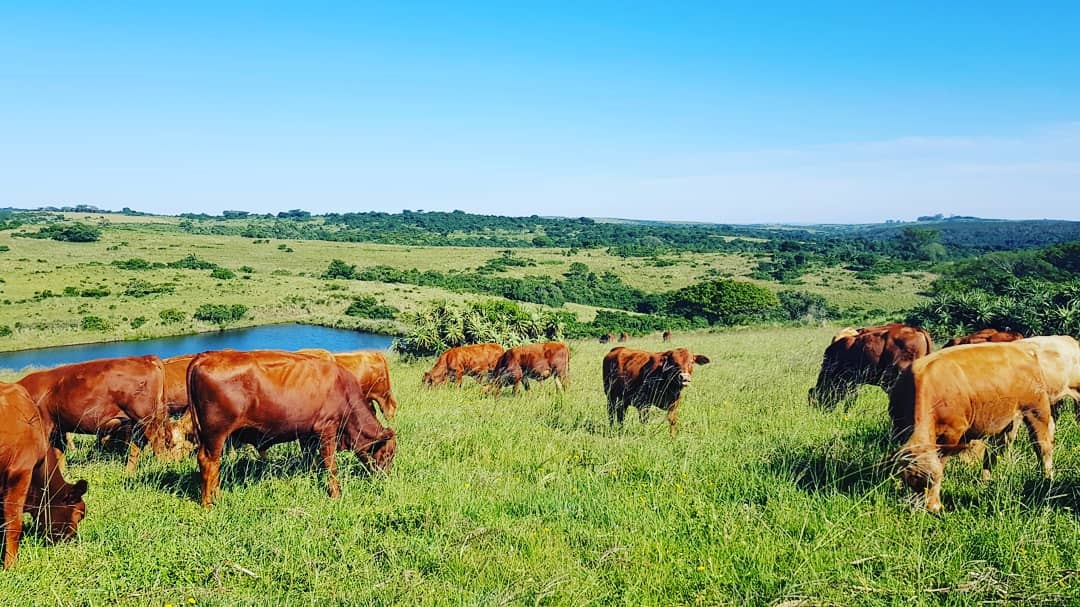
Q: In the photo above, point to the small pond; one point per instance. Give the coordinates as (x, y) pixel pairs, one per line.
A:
(269, 337)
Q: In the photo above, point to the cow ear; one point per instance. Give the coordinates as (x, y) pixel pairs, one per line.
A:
(386, 434)
(701, 360)
(77, 491)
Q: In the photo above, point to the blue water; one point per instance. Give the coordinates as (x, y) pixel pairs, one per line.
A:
(271, 337)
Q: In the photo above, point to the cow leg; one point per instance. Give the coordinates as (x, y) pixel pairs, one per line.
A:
(672, 418)
(995, 444)
(329, 449)
(558, 384)
(70, 440)
(14, 498)
(209, 458)
(643, 414)
(133, 456)
(1040, 425)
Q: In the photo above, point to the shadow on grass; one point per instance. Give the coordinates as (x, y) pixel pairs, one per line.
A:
(1061, 493)
(238, 470)
(852, 464)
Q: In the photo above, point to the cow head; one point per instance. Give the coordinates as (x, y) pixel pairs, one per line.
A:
(679, 364)
(64, 511)
(921, 469)
(378, 452)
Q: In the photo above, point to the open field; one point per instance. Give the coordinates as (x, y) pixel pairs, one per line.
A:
(534, 500)
(279, 281)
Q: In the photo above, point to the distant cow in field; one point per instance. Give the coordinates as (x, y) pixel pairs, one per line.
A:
(476, 360)
(983, 336)
(624, 337)
(532, 361)
(268, 397)
(103, 397)
(874, 355)
(968, 392)
(371, 369)
(607, 338)
(633, 378)
(666, 337)
(30, 478)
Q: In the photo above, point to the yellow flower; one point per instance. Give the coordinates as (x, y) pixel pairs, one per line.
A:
(191, 600)
(701, 567)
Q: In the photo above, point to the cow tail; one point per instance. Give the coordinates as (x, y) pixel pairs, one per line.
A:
(161, 430)
(192, 409)
(929, 342)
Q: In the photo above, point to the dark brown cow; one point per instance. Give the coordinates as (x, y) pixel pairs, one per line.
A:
(983, 336)
(102, 396)
(633, 378)
(624, 337)
(873, 355)
(372, 371)
(532, 361)
(957, 395)
(607, 338)
(265, 397)
(666, 337)
(30, 479)
(476, 360)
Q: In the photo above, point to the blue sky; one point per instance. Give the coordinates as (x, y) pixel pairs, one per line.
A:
(787, 111)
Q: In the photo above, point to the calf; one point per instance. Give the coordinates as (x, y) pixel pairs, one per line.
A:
(666, 336)
(103, 396)
(633, 378)
(30, 478)
(477, 360)
(965, 393)
(266, 397)
(532, 361)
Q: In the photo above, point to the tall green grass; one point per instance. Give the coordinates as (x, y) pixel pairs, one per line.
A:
(535, 500)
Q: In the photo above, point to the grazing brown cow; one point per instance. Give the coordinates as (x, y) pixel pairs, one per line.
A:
(633, 378)
(532, 361)
(476, 360)
(960, 394)
(983, 336)
(623, 337)
(102, 396)
(607, 338)
(873, 355)
(371, 369)
(30, 479)
(265, 397)
(666, 337)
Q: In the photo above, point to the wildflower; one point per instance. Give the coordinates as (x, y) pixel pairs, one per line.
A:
(191, 600)
(701, 567)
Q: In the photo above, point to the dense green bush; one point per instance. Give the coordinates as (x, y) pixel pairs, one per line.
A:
(142, 288)
(1031, 307)
(725, 302)
(5, 330)
(68, 232)
(135, 263)
(222, 273)
(94, 292)
(369, 307)
(220, 314)
(95, 323)
(138, 321)
(171, 316)
(339, 269)
(806, 307)
(191, 262)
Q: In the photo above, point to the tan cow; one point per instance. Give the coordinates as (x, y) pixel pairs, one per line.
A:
(476, 360)
(371, 369)
(969, 392)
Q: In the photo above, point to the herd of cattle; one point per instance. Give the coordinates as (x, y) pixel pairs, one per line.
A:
(939, 402)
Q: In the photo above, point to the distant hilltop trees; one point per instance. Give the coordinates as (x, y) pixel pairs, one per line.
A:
(940, 217)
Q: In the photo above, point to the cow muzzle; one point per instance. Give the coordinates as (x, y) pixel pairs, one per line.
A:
(684, 378)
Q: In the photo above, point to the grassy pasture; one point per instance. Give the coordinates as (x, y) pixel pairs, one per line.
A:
(534, 500)
(283, 283)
